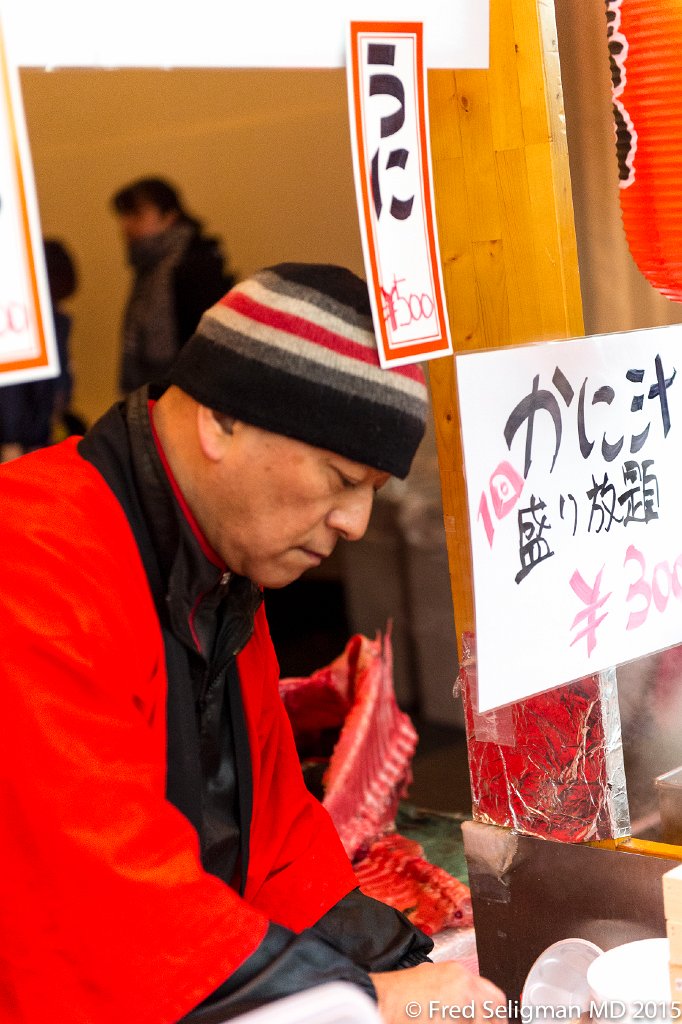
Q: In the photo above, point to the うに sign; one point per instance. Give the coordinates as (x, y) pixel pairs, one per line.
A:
(392, 166)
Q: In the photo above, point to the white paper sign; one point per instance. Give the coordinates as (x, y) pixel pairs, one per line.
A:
(216, 33)
(391, 160)
(27, 343)
(573, 460)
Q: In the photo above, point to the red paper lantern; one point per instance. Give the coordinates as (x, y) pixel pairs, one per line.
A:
(645, 46)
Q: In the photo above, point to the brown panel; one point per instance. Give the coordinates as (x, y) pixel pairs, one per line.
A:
(528, 893)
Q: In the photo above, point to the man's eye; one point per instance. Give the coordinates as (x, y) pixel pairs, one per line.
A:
(347, 481)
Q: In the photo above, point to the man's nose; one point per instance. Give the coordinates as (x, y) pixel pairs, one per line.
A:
(350, 516)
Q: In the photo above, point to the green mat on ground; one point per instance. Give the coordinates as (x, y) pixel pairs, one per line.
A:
(439, 833)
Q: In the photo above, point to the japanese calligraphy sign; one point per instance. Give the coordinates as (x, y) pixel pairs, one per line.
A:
(170, 33)
(391, 159)
(27, 345)
(573, 460)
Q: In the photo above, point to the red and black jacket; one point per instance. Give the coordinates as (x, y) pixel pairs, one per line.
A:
(164, 852)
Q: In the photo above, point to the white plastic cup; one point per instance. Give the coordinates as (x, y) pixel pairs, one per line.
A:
(558, 978)
(630, 984)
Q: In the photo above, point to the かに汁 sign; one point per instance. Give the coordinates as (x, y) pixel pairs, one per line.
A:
(27, 345)
(392, 165)
(572, 456)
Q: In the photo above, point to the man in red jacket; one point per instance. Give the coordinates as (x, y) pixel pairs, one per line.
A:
(161, 855)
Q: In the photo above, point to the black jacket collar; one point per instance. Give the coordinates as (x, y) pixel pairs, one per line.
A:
(193, 588)
(208, 774)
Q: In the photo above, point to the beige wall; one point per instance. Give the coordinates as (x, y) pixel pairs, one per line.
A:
(263, 157)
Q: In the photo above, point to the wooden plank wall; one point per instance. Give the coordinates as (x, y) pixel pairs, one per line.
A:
(505, 221)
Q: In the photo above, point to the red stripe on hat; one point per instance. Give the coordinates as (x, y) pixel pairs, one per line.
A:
(311, 331)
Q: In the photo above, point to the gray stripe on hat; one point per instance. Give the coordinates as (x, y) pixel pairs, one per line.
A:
(224, 318)
(381, 392)
(293, 289)
(298, 305)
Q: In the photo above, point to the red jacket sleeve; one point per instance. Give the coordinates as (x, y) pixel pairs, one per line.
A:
(105, 911)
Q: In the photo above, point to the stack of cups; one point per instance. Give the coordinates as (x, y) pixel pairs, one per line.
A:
(628, 984)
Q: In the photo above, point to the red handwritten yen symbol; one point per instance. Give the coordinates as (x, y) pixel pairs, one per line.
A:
(589, 596)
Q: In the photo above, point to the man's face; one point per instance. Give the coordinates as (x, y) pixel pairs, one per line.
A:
(145, 222)
(276, 506)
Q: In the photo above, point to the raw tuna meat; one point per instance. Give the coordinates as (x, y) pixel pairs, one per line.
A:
(345, 716)
(317, 707)
(370, 769)
(395, 872)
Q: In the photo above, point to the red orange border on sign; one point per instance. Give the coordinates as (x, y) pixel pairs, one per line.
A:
(41, 359)
(441, 344)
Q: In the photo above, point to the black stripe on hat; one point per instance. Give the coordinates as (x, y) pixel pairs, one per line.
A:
(355, 425)
(340, 284)
(333, 370)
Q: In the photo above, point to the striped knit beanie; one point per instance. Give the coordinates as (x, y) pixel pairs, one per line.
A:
(292, 350)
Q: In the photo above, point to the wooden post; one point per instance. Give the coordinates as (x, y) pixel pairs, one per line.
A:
(505, 222)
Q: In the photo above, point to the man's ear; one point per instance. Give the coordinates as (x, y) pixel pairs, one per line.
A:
(214, 430)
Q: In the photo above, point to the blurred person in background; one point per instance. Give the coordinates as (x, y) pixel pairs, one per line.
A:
(178, 273)
(31, 413)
